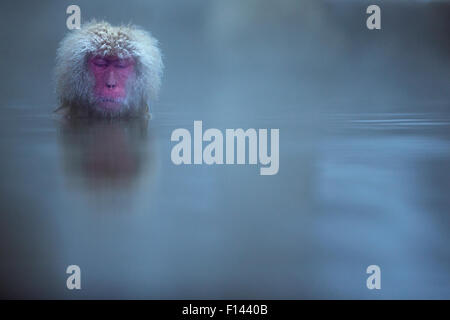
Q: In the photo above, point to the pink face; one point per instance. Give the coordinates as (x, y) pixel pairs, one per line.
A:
(111, 76)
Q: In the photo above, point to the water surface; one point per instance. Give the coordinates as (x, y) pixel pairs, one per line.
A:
(352, 190)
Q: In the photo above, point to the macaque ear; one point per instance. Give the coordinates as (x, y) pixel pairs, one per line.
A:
(92, 90)
(60, 109)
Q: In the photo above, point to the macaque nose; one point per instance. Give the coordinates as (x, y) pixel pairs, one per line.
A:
(111, 81)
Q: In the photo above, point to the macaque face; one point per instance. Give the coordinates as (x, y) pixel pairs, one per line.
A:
(111, 76)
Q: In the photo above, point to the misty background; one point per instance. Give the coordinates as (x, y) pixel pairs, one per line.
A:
(364, 156)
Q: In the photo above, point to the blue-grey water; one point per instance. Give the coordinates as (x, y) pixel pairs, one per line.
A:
(364, 157)
(352, 190)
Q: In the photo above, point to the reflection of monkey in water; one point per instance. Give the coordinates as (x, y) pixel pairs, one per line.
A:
(104, 152)
(103, 70)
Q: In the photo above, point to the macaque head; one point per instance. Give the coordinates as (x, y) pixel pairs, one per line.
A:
(108, 71)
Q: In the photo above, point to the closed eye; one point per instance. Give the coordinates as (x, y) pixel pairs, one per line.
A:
(100, 63)
(121, 65)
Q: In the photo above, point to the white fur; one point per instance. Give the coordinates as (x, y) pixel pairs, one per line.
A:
(74, 83)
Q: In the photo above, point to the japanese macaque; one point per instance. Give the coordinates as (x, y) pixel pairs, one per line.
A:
(107, 71)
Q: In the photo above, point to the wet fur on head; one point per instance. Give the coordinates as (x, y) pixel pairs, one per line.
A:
(74, 83)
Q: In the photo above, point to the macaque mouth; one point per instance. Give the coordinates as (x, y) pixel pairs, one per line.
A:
(110, 103)
(113, 100)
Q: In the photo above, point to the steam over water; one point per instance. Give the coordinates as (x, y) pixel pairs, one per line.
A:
(364, 164)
